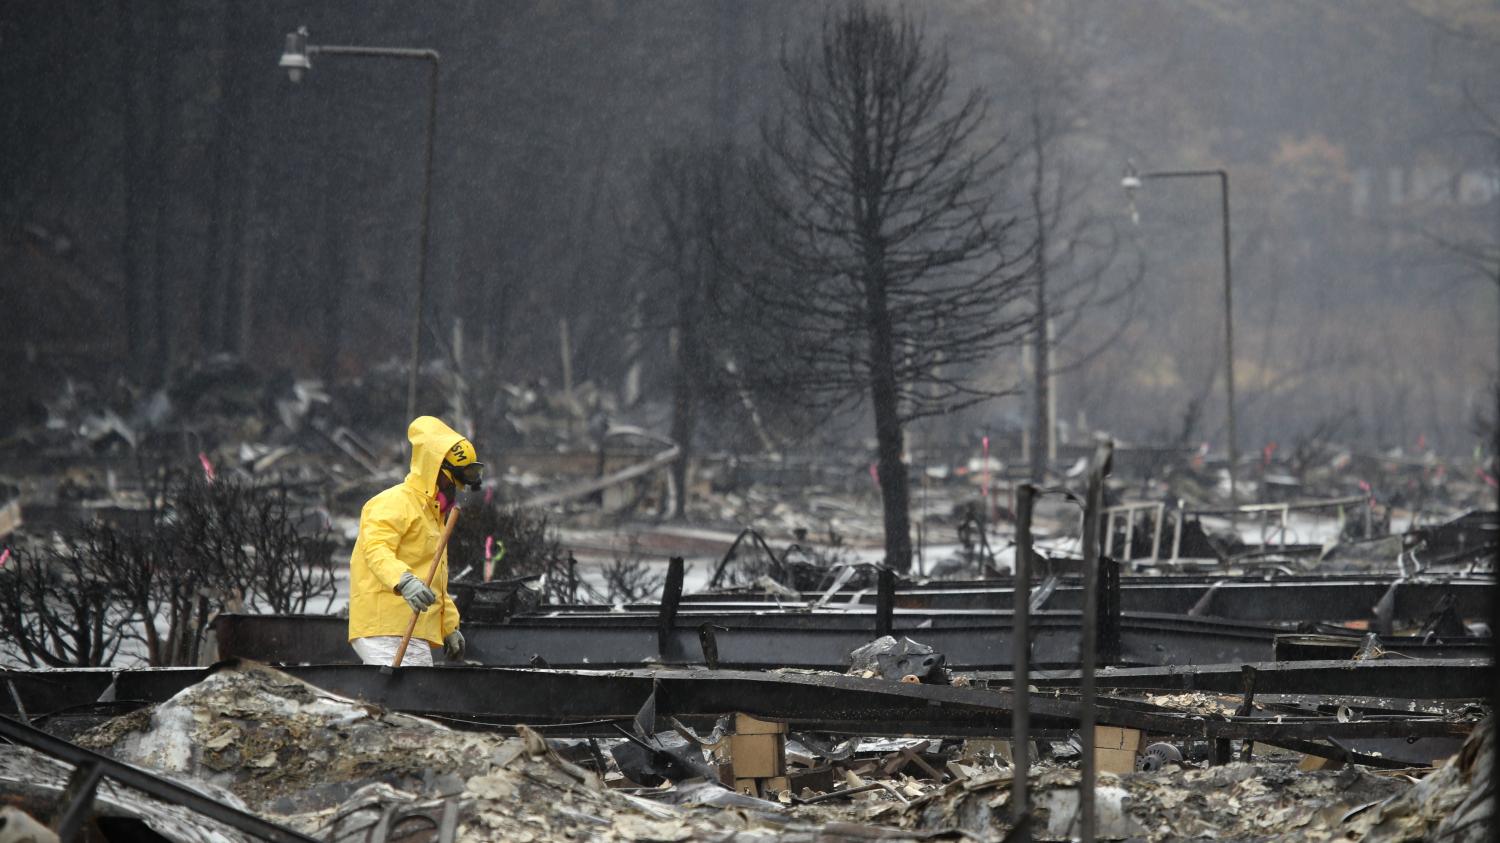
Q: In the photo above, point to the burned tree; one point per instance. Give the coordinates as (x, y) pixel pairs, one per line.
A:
(152, 586)
(215, 546)
(57, 607)
(887, 265)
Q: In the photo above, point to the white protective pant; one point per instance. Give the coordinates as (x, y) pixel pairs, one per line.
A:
(381, 650)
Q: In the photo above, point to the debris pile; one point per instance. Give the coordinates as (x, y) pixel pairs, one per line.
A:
(340, 769)
(840, 699)
(335, 768)
(1454, 804)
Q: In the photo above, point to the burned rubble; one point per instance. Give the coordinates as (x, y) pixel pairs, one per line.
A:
(1296, 670)
(334, 767)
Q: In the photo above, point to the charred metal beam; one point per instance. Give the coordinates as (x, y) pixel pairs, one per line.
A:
(77, 800)
(1339, 753)
(584, 703)
(1392, 680)
(813, 640)
(1334, 597)
(1311, 647)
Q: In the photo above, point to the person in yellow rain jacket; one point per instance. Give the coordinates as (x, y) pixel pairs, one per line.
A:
(398, 533)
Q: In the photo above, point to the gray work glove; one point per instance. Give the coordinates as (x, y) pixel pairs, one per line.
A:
(453, 645)
(418, 596)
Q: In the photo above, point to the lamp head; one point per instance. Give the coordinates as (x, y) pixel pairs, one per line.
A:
(295, 56)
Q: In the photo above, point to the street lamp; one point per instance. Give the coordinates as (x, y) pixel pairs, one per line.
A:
(1132, 182)
(296, 57)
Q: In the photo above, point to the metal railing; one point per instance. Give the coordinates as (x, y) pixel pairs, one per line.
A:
(1274, 521)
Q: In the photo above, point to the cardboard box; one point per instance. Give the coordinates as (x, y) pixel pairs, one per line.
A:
(1115, 737)
(725, 770)
(749, 787)
(1313, 762)
(1117, 761)
(776, 784)
(758, 756)
(744, 724)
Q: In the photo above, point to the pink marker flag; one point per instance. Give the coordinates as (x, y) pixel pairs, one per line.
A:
(4, 557)
(208, 467)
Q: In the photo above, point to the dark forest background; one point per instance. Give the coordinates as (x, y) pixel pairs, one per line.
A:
(166, 193)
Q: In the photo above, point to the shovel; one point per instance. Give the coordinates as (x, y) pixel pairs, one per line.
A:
(437, 556)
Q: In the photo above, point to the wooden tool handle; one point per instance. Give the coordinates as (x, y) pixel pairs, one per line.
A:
(437, 557)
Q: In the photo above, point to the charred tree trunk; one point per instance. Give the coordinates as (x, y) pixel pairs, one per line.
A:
(889, 438)
(885, 396)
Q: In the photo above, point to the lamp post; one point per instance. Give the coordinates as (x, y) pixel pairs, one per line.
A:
(1131, 183)
(297, 59)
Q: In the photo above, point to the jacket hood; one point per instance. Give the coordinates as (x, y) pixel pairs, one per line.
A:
(430, 441)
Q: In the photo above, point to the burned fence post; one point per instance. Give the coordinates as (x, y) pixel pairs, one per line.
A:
(1020, 713)
(671, 595)
(1108, 634)
(885, 601)
(1247, 707)
(1093, 509)
(709, 643)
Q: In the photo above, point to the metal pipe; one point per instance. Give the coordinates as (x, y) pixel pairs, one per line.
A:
(1229, 338)
(885, 601)
(1098, 469)
(1020, 714)
(671, 595)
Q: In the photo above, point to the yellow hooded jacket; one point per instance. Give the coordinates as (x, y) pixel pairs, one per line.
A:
(398, 532)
